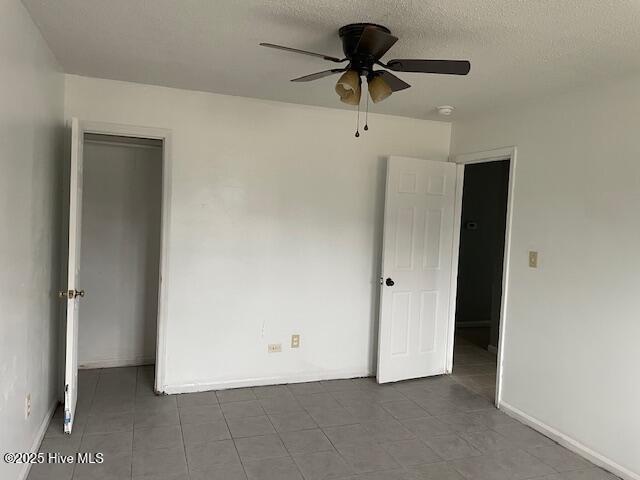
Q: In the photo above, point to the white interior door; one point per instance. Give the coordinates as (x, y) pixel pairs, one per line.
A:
(73, 293)
(416, 268)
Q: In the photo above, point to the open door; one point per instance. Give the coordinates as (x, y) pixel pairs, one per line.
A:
(416, 268)
(72, 294)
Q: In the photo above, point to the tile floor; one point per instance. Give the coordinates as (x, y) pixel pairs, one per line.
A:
(475, 368)
(431, 428)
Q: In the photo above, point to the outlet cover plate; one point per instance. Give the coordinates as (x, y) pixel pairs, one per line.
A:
(275, 347)
(295, 341)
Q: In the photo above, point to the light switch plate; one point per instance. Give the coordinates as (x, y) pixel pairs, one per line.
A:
(533, 259)
(275, 347)
(295, 341)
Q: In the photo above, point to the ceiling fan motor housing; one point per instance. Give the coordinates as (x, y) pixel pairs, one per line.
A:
(360, 58)
(364, 45)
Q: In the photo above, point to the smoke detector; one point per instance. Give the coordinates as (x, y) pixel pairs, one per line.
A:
(445, 110)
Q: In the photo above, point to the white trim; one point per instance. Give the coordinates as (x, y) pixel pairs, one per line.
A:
(505, 153)
(118, 362)
(453, 290)
(260, 381)
(495, 155)
(64, 264)
(35, 446)
(569, 443)
(165, 136)
(122, 144)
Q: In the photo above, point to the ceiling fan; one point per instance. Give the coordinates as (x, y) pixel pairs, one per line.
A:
(364, 44)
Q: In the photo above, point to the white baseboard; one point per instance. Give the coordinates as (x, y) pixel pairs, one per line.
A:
(118, 362)
(569, 443)
(260, 381)
(38, 440)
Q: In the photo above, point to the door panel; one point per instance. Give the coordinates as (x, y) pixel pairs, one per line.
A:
(405, 235)
(401, 314)
(432, 234)
(428, 316)
(73, 293)
(417, 252)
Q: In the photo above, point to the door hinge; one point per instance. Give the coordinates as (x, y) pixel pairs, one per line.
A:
(70, 294)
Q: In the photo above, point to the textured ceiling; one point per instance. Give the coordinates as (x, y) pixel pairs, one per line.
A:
(519, 49)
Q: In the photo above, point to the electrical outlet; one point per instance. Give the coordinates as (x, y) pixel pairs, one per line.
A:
(295, 341)
(275, 347)
(533, 259)
(27, 406)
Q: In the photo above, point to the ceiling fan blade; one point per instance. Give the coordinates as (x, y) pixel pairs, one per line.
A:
(447, 67)
(304, 52)
(394, 82)
(375, 42)
(315, 76)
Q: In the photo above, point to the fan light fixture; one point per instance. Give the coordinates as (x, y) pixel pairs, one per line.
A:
(364, 45)
(348, 87)
(378, 88)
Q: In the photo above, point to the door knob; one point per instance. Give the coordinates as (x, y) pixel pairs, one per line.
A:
(389, 282)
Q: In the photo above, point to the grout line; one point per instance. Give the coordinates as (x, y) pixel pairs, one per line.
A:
(84, 430)
(233, 440)
(277, 434)
(184, 445)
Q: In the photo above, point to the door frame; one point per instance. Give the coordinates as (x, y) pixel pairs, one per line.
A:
(105, 128)
(499, 154)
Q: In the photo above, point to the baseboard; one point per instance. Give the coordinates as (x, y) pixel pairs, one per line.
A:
(118, 362)
(38, 440)
(569, 443)
(492, 349)
(260, 381)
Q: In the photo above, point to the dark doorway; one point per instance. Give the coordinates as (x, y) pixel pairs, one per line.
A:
(482, 237)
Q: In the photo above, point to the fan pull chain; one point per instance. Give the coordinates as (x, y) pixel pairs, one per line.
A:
(358, 122)
(366, 115)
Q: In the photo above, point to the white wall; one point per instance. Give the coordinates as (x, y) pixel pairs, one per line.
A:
(573, 327)
(276, 219)
(120, 254)
(31, 118)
